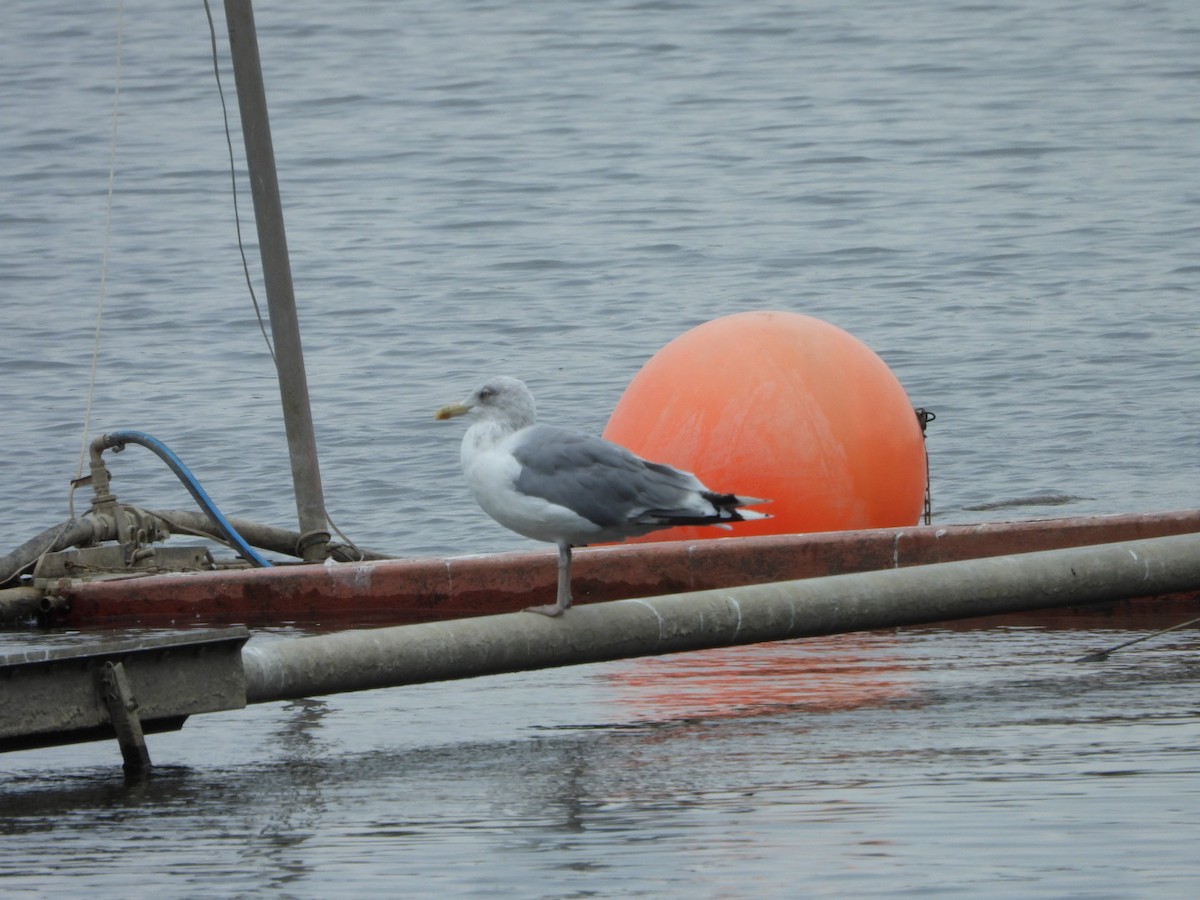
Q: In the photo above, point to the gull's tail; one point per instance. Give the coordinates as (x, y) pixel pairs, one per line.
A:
(723, 509)
(729, 507)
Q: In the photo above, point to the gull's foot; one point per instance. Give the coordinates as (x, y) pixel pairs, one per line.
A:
(550, 609)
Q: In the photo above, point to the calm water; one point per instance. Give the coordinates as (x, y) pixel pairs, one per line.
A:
(1000, 199)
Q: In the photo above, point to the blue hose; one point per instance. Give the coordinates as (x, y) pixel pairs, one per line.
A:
(118, 439)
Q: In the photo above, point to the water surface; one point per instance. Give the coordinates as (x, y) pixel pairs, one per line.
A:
(1000, 199)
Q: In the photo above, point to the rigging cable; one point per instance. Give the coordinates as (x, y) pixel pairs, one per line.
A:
(237, 219)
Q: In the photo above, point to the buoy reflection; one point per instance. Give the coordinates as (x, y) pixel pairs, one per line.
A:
(820, 675)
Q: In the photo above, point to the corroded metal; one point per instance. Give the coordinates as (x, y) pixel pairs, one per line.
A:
(415, 590)
(83, 562)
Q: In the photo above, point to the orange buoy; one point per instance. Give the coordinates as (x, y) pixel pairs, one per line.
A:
(782, 406)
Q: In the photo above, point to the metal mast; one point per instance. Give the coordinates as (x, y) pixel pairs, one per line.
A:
(277, 277)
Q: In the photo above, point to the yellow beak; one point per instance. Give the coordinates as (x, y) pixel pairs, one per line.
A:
(449, 412)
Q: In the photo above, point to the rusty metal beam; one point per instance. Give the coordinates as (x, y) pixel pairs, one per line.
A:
(415, 590)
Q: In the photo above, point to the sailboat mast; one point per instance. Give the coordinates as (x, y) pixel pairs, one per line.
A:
(277, 277)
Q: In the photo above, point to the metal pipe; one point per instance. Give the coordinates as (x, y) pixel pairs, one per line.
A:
(277, 277)
(19, 603)
(58, 537)
(266, 537)
(465, 648)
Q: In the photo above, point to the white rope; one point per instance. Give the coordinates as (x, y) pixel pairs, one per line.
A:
(112, 175)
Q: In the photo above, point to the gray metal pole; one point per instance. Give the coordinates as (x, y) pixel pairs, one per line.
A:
(412, 654)
(277, 277)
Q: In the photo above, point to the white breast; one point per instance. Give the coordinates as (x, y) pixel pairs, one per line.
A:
(492, 471)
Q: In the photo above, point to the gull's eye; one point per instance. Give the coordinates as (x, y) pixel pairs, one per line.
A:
(487, 393)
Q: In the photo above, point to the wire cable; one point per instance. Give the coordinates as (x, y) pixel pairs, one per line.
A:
(237, 219)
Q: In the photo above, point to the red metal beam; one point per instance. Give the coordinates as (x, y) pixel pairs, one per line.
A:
(402, 591)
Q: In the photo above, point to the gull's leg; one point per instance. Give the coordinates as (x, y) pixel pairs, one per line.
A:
(564, 585)
(564, 576)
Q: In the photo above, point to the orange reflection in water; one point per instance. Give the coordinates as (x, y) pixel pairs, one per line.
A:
(822, 674)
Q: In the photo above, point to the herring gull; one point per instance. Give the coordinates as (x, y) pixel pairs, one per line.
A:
(557, 485)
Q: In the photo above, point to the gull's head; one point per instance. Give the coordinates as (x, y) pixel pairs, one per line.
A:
(501, 399)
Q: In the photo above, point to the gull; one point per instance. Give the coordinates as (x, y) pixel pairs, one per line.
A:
(571, 489)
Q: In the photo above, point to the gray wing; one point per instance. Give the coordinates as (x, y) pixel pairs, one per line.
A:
(601, 481)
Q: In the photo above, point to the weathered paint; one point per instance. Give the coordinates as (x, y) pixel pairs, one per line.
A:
(413, 590)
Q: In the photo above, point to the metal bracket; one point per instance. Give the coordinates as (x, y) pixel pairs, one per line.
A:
(118, 559)
(122, 710)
